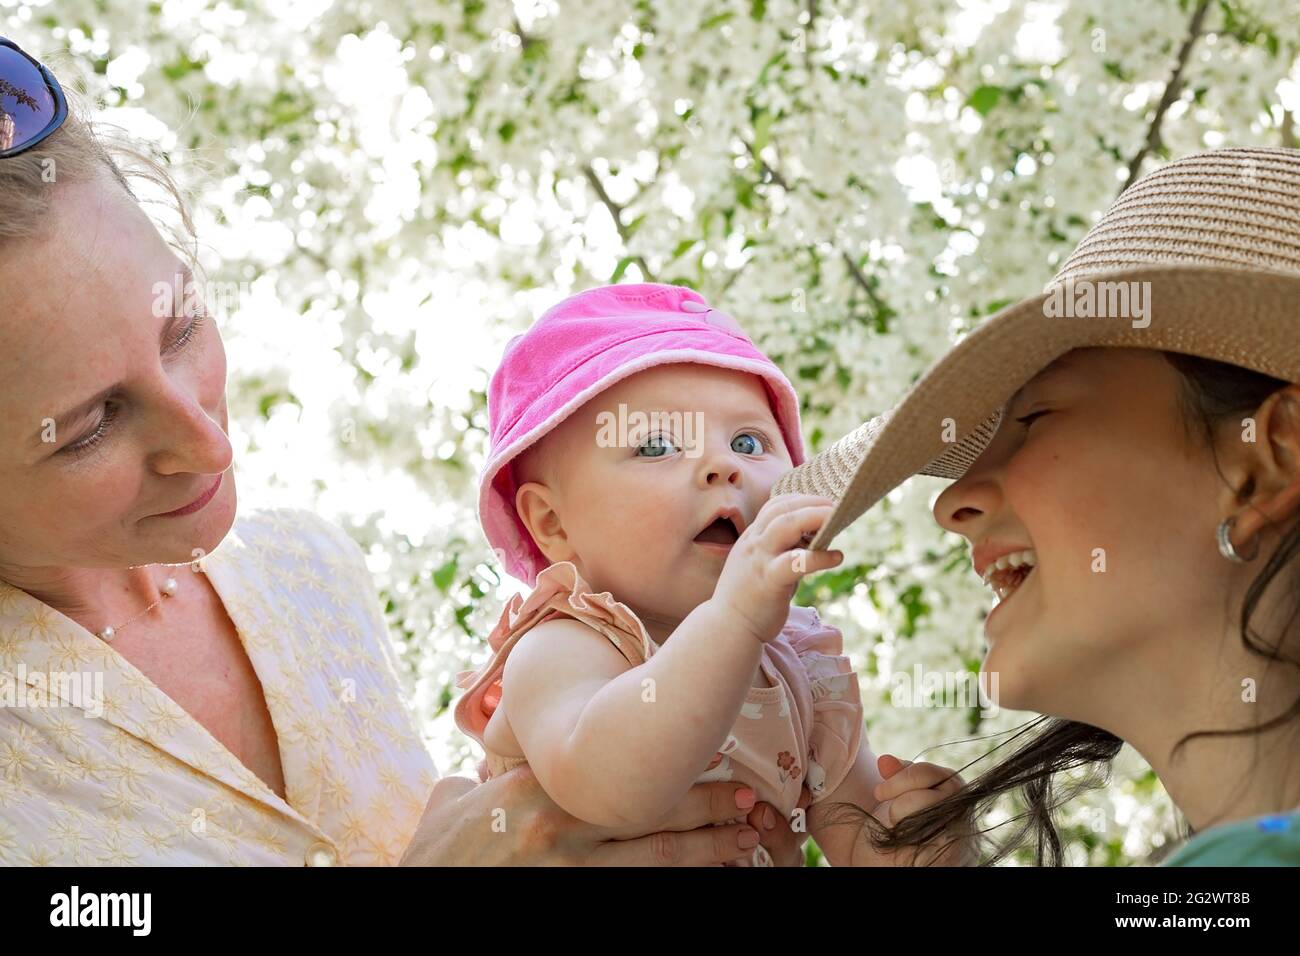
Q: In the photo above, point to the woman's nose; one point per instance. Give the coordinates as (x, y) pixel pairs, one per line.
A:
(965, 501)
(188, 439)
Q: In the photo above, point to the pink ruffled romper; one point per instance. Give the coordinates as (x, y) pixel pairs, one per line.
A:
(804, 728)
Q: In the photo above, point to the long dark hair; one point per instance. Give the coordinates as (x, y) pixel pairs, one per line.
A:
(1213, 392)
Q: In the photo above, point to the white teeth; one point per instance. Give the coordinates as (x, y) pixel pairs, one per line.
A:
(1017, 559)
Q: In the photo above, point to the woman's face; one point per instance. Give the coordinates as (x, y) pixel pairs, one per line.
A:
(112, 408)
(1101, 479)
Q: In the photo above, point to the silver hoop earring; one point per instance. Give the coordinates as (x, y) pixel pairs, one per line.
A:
(1224, 533)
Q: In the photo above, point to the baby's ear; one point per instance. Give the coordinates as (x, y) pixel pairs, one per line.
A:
(533, 502)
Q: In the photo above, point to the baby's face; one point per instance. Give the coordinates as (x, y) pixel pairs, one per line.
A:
(642, 470)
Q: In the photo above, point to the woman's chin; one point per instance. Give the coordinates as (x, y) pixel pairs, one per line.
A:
(192, 536)
(1007, 680)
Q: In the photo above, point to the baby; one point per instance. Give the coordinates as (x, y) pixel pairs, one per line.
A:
(635, 436)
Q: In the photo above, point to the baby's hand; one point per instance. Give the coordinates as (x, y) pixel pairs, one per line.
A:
(907, 788)
(765, 564)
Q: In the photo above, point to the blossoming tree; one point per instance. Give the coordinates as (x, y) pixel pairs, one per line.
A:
(395, 189)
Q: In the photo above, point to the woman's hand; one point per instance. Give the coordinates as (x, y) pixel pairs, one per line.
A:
(907, 788)
(511, 821)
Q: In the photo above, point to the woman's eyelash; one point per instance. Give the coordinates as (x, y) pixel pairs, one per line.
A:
(1027, 420)
(191, 330)
(83, 445)
(94, 438)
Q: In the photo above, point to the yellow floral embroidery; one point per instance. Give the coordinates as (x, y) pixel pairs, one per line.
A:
(142, 783)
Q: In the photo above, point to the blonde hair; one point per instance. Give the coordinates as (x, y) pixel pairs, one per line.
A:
(81, 150)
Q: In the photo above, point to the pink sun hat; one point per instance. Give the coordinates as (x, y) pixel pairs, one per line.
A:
(578, 349)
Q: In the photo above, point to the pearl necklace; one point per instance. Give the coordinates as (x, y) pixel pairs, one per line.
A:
(168, 589)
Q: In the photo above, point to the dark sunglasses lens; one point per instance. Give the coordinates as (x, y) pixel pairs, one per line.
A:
(26, 105)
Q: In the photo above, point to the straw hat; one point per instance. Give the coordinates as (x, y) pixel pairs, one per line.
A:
(1200, 257)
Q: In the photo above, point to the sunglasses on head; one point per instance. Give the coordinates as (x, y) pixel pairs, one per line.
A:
(32, 104)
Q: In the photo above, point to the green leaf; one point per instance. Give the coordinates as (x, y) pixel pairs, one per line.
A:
(984, 99)
(443, 577)
(762, 129)
(621, 268)
(829, 585)
(915, 606)
(682, 248)
(462, 613)
(269, 401)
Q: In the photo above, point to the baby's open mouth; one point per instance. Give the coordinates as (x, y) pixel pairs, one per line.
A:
(720, 531)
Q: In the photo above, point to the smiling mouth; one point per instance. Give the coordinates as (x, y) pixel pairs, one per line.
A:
(197, 503)
(1008, 573)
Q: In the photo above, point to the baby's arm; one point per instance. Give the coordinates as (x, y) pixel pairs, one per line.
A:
(839, 840)
(620, 746)
(889, 789)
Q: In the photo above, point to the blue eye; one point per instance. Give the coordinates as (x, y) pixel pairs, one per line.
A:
(657, 446)
(747, 443)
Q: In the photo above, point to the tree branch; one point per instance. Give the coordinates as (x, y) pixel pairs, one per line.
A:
(767, 170)
(616, 213)
(1173, 89)
(862, 281)
(774, 175)
(525, 41)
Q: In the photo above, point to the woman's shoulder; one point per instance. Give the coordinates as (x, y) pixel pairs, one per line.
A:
(1272, 840)
(298, 532)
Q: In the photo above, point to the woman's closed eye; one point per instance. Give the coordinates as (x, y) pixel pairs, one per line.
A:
(113, 408)
(85, 444)
(1027, 420)
(190, 331)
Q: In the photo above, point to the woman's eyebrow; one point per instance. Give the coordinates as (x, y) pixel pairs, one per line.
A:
(1061, 363)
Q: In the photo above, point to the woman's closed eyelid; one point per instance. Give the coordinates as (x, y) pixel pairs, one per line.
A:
(188, 334)
(1030, 417)
(90, 439)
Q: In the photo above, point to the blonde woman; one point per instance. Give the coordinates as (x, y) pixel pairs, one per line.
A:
(183, 683)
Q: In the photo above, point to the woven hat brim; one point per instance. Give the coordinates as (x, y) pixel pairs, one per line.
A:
(1246, 318)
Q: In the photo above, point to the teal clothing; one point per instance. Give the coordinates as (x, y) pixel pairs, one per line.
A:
(1272, 840)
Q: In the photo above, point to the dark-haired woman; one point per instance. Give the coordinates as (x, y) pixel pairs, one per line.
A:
(1128, 476)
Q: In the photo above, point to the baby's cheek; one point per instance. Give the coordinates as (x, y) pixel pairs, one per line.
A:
(623, 540)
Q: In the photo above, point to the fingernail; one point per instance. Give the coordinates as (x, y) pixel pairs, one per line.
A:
(745, 798)
(748, 839)
(769, 818)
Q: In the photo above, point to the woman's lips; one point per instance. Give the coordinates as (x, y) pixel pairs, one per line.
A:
(197, 503)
